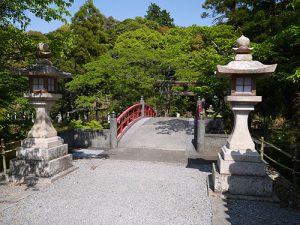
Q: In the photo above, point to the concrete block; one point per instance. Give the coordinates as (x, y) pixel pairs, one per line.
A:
(240, 155)
(41, 153)
(241, 167)
(241, 185)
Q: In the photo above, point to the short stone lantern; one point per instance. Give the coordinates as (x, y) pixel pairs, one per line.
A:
(240, 170)
(42, 153)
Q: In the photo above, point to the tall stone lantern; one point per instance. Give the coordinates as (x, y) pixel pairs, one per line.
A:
(42, 153)
(239, 169)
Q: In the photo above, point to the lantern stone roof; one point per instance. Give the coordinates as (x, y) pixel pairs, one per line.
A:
(43, 66)
(243, 63)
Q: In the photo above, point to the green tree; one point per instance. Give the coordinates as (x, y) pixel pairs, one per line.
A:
(61, 42)
(16, 11)
(257, 20)
(17, 50)
(90, 39)
(142, 56)
(123, 74)
(273, 27)
(162, 17)
(283, 49)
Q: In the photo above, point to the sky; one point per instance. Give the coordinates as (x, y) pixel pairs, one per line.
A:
(184, 12)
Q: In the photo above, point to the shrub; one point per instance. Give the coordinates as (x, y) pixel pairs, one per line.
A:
(79, 124)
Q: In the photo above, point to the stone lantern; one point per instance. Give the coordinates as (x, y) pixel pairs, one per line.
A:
(42, 153)
(240, 169)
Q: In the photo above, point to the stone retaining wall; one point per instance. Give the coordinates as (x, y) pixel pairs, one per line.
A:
(214, 142)
(85, 138)
(209, 143)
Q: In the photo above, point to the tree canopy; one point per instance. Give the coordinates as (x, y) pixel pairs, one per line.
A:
(115, 62)
(257, 20)
(162, 17)
(16, 11)
(90, 39)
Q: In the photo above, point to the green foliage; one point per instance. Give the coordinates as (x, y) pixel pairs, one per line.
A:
(142, 56)
(273, 27)
(93, 124)
(85, 101)
(16, 11)
(283, 49)
(257, 20)
(79, 124)
(162, 17)
(89, 36)
(62, 45)
(284, 138)
(114, 63)
(14, 46)
(130, 25)
(76, 124)
(17, 50)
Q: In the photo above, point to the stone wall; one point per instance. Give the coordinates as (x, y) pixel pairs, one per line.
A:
(214, 142)
(87, 138)
(209, 143)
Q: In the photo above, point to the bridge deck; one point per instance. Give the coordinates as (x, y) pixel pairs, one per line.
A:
(174, 134)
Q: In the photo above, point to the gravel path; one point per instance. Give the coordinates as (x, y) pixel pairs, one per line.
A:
(118, 192)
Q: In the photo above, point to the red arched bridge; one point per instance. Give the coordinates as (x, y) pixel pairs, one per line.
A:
(138, 128)
(131, 115)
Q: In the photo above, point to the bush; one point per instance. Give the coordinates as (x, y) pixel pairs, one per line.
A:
(79, 124)
(93, 124)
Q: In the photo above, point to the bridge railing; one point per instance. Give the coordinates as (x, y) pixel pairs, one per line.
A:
(131, 115)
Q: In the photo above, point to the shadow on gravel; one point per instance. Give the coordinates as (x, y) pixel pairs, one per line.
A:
(235, 211)
(256, 212)
(200, 164)
(173, 126)
(89, 155)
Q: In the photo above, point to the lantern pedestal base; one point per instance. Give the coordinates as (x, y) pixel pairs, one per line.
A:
(41, 157)
(241, 174)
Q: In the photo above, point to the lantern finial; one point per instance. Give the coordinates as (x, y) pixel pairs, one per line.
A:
(43, 50)
(242, 45)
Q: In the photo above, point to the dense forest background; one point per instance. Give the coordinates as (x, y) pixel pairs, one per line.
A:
(115, 62)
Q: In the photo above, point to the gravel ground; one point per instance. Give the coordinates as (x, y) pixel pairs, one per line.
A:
(253, 213)
(243, 212)
(118, 192)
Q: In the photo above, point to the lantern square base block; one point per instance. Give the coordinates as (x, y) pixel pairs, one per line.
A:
(240, 174)
(42, 157)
